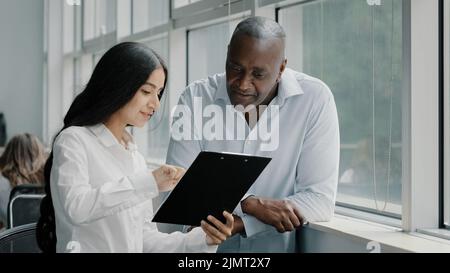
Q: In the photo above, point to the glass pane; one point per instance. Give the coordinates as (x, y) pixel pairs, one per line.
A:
(149, 13)
(356, 49)
(181, 3)
(78, 13)
(207, 50)
(123, 18)
(68, 83)
(99, 18)
(153, 139)
(88, 19)
(83, 70)
(68, 27)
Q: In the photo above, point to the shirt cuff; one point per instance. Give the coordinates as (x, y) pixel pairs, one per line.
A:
(253, 226)
(144, 182)
(197, 241)
(238, 210)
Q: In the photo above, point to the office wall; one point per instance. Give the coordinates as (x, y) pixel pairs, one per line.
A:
(21, 65)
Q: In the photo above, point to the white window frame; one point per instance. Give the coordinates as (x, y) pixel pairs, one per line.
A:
(420, 193)
(446, 103)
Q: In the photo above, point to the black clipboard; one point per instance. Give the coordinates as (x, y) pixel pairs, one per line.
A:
(213, 183)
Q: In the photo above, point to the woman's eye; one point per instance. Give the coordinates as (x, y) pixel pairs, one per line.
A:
(146, 92)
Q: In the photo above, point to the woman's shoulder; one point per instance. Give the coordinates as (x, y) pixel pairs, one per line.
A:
(77, 134)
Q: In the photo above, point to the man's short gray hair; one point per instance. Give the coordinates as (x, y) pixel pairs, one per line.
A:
(260, 28)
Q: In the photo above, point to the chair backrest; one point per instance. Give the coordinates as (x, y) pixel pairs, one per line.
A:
(26, 189)
(24, 209)
(20, 239)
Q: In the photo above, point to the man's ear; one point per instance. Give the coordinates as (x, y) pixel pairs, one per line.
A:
(282, 68)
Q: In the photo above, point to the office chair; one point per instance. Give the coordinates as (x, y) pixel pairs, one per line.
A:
(26, 189)
(20, 239)
(24, 205)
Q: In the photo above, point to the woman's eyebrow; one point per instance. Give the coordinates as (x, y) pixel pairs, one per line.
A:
(151, 84)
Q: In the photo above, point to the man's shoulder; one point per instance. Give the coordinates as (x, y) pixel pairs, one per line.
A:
(205, 88)
(311, 85)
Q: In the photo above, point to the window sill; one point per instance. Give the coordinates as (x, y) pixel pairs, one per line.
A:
(441, 233)
(391, 239)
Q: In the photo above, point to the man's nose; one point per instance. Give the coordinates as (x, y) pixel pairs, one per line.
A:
(245, 82)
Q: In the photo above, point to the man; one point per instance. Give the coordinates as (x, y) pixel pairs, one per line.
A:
(300, 182)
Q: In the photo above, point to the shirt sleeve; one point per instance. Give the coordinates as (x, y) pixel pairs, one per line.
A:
(318, 167)
(317, 170)
(159, 242)
(84, 203)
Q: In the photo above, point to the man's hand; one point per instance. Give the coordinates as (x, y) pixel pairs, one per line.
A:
(167, 177)
(281, 214)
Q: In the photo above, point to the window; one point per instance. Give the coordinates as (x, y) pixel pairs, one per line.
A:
(99, 18)
(181, 3)
(68, 25)
(356, 49)
(72, 28)
(149, 13)
(68, 83)
(83, 68)
(207, 50)
(153, 139)
(447, 113)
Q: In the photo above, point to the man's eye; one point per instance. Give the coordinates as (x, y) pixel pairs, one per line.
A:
(258, 75)
(234, 67)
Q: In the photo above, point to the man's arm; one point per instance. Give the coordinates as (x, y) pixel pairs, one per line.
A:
(315, 185)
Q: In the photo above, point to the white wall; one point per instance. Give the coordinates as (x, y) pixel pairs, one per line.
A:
(21, 63)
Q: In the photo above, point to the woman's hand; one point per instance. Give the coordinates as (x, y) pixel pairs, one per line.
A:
(218, 233)
(167, 177)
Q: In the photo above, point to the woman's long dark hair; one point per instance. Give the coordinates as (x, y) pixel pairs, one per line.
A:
(117, 77)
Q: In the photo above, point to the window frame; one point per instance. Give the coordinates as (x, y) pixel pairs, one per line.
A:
(445, 128)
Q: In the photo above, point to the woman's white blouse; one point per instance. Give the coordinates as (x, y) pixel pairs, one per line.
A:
(102, 194)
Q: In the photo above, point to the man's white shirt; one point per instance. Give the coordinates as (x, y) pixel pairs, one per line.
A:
(305, 158)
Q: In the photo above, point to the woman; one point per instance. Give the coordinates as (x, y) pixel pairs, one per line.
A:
(98, 187)
(22, 162)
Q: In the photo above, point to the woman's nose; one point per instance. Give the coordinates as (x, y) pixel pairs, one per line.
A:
(154, 103)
